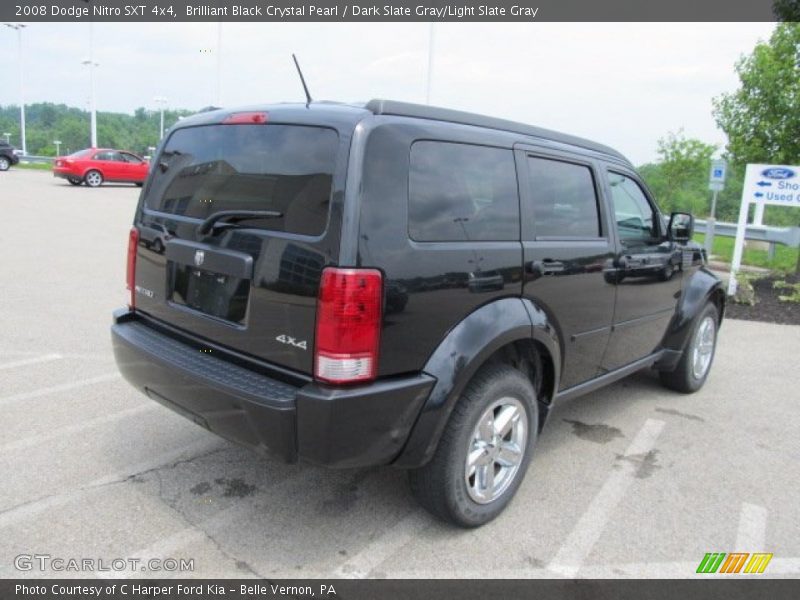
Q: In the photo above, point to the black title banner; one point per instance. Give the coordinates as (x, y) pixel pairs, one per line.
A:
(380, 10)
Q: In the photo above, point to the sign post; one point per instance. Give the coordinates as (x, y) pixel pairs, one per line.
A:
(716, 183)
(778, 185)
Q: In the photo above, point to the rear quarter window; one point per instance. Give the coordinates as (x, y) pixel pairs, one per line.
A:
(462, 192)
(285, 168)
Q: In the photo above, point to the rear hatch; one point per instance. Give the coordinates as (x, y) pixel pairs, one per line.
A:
(249, 279)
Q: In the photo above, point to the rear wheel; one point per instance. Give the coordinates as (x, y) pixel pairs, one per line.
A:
(4, 163)
(74, 180)
(484, 451)
(93, 179)
(695, 364)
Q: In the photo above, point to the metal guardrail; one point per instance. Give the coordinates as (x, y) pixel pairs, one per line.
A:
(787, 236)
(36, 159)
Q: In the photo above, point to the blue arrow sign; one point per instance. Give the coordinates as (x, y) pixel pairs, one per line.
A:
(764, 184)
(758, 194)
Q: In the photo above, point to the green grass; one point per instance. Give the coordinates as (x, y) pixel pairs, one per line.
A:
(33, 166)
(785, 259)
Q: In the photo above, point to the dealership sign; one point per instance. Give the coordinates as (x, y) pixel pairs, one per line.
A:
(778, 185)
(772, 184)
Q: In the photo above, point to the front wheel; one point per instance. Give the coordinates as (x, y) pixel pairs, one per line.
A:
(484, 451)
(695, 364)
(4, 163)
(93, 179)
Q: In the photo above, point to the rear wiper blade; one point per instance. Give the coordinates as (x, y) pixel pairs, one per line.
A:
(235, 215)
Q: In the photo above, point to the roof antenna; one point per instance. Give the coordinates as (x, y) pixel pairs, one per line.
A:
(302, 80)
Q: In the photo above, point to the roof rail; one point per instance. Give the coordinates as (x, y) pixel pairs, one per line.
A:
(422, 111)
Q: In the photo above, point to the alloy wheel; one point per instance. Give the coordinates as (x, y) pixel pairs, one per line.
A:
(496, 450)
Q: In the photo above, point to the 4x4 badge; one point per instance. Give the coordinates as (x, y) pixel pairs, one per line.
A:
(286, 339)
(199, 257)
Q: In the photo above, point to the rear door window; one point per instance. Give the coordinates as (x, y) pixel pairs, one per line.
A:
(462, 192)
(284, 168)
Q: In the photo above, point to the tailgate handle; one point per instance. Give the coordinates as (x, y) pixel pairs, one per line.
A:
(210, 258)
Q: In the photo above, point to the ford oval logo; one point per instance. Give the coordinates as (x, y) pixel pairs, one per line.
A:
(778, 173)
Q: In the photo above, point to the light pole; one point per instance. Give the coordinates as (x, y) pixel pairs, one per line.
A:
(161, 101)
(19, 27)
(92, 105)
(219, 65)
(430, 65)
(90, 62)
(58, 147)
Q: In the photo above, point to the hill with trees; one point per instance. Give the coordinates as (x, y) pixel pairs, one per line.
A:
(46, 122)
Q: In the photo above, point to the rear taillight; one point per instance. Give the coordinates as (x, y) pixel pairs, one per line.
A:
(348, 325)
(133, 243)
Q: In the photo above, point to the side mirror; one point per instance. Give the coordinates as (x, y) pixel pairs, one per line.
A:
(681, 227)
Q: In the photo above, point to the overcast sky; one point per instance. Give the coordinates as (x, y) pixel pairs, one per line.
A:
(625, 85)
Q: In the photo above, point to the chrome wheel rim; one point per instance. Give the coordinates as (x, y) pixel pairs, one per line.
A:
(703, 347)
(496, 449)
(4, 164)
(93, 179)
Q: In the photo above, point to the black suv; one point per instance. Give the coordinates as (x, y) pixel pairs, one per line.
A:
(394, 284)
(8, 157)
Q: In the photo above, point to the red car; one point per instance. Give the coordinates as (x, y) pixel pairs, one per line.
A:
(93, 166)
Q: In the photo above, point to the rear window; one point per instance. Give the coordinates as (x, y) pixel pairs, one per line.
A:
(285, 168)
(462, 192)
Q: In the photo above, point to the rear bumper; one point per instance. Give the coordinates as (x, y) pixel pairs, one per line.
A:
(355, 426)
(65, 173)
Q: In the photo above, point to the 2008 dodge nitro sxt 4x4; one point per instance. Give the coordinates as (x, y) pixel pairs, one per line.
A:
(394, 284)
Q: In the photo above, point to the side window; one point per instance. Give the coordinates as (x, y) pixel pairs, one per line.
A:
(564, 199)
(462, 192)
(633, 213)
(104, 156)
(131, 158)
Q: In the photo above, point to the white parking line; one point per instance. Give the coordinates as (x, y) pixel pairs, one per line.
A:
(752, 528)
(590, 526)
(64, 387)
(36, 440)
(30, 509)
(403, 532)
(30, 361)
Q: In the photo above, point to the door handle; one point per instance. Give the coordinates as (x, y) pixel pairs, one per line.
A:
(547, 266)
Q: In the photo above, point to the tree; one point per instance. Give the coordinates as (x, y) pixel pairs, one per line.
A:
(762, 117)
(679, 179)
(786, 10)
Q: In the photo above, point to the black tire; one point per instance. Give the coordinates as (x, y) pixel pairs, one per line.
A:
(139, 183)
(93, 178)
(683, 378)
(158, 246)
(667, 272)
(75, 180)
(440, 486)
(5, 163)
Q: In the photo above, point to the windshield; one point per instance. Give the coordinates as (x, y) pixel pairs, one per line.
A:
(285, 168)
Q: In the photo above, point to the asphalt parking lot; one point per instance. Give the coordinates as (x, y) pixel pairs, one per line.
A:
(631, 481)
